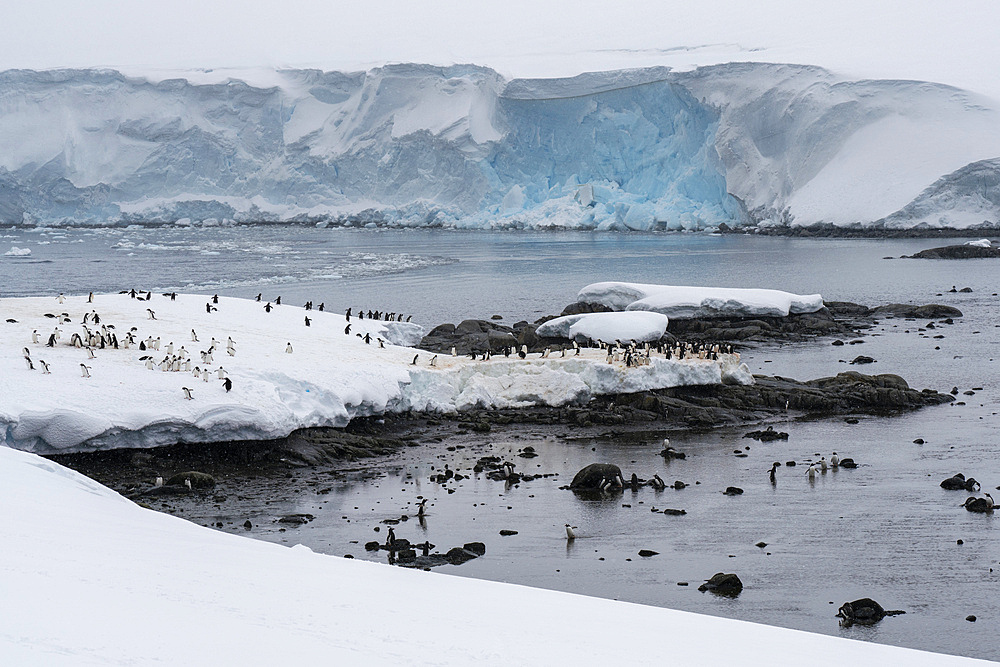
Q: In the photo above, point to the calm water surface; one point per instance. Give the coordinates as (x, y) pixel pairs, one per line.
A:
(885, 530)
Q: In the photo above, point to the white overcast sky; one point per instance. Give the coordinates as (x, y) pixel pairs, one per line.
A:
(950, 42)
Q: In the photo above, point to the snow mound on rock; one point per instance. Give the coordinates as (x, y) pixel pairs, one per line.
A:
(694, 302)
(607, 327)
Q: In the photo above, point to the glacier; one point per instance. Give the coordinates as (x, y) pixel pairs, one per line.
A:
(461, 146)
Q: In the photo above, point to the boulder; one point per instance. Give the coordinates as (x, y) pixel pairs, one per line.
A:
(199, 480)
(598, 477)
(723, 584)
(863, 612)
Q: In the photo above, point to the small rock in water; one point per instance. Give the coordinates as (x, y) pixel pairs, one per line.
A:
(506, 533)
(761, 545)
(971, 618)
(733, 491)
(723, 584)
(646, 553)
(247, 524)
(918, 441)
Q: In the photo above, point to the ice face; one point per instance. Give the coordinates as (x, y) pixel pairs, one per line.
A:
(459, 146)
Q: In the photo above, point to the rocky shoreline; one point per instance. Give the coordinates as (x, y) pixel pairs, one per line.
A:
(858, 231)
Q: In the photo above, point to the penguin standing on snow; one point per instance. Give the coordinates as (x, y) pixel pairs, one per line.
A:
(288, 350)
(227, 384)
(308, 320)
(347, 330)
(85, 370)
(187, 393)
(267, 307)
(34, 336)
(45, 367)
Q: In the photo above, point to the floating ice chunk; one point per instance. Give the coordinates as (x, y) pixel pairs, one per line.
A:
(607, 327)
(691, 302)
(17, 252)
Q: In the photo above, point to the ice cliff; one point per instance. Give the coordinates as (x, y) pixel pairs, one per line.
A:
(460, 146)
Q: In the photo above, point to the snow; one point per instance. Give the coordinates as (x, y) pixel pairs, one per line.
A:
(607, 327)
(695, 302)
(328, 378)
(982, 243)
(97, 580)
(17, 252)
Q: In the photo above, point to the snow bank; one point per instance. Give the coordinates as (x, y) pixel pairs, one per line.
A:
(328, 379)
(692, 302)
(97, 580)
(981, 243)
(607, 327)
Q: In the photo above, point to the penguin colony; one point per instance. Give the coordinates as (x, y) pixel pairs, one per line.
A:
(94, 337)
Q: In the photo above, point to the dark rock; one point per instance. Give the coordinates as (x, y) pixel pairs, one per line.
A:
(723, 584)
(733, 491)
(957, 252)
(848, 463)
(837, 343)
(670, 512)
(767, 435)
(199, 480)
(926, 312)
(968, 290)
(247, 524)
(790, 464)
(918, 441)
(958, 482)
(598, 477)
(646, 553)
(458, 555)
(477, 548)
(372, 546)
(761, 545)
(507, 533)
(580, 307)
(406, 555)
(296, 519)
(971, 618)
(862, 359)
(864, 612)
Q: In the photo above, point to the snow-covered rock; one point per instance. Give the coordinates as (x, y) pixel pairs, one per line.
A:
(691, 302)
(607, 327)
(327, 378)
(98, 580)
(981, 243)
(461, 146)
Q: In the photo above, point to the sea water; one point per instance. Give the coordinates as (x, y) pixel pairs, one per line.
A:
(885, 530)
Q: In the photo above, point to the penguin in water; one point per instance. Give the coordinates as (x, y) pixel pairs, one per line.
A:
(835, 460)
(288, 350)
(770, 474)
(811, 472)
(570, 535)
(227, 384)
(85, 370)
(187, 393)
(823, 464)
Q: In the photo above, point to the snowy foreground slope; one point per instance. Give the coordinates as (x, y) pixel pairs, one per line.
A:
(90, 578)
(327, 379)
(462, 146)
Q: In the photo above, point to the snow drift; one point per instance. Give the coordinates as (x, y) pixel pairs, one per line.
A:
(285, 375)
(460, 146)
(607, 327)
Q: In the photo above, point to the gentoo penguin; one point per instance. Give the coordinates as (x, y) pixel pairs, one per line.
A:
(570, 535)
(823, 464)
(523, 352)
(34, 336)
(381, 343)
(347, 330)
(149, 363)
(90, 298)
(259, 294)
(774, 466)
(52, 341)
(90, 353)
(150, 314)
(196, 372)
(368, 339)
(989, 501)
(221, 373)
(169, 348)
(227, 384)
(215, 299)
(277, 301)
(288, 350)
(45, 367)
(433, 360)
(454, 353)
(267, 307)
(811, 471)
(308, 320)
(414, 362)
(194, 336)
(231, 351)
(420, 508)
(187, 482)
(187, 393)
(61, 298)
(835, 460)
(159, 482)
(85, 370)
(208, 308)
(27, 360)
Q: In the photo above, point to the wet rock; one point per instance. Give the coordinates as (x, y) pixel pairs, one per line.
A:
(837, 343)
(458, 555)
(598, 477)
(478, 548)
(678, 485)
(296, 519)
(372, 546)
(862, 359)
(723, 584)
(670, 512)
(733, 491)
(863, 612)
(767, 435)
(918, 441)
(927, 312)
(958, 482)
(957, 252)
(247, 525)
(761, 545)
(406, 556)
(848, 463)
(507, 533)
(647, 553)
(971, 618)
(199, 480)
